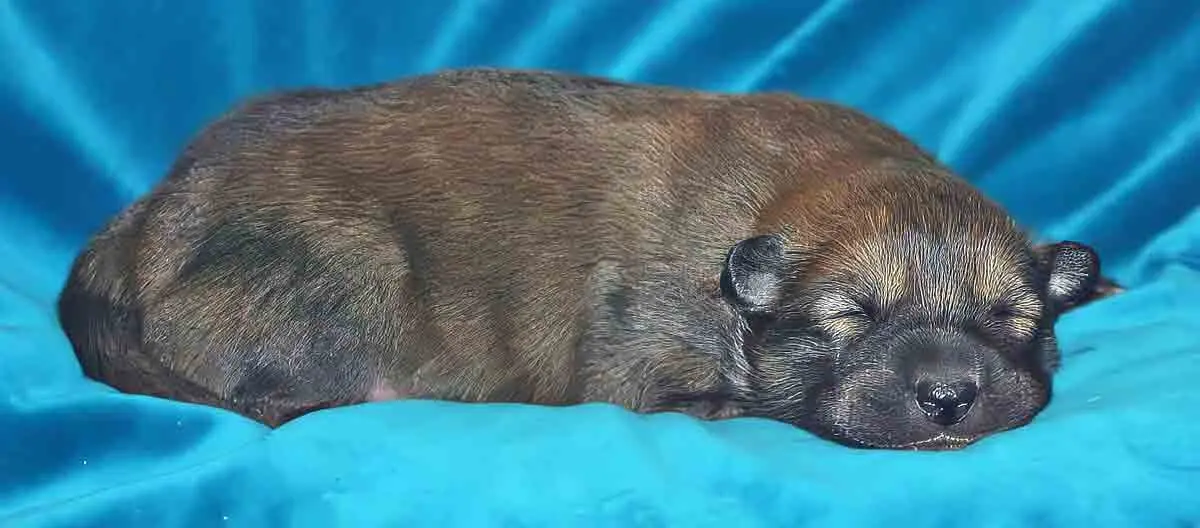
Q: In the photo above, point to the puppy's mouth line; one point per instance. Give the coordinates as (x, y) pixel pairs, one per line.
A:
(942, 441)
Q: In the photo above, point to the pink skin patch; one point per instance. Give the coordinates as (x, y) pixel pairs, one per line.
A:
(384, 391)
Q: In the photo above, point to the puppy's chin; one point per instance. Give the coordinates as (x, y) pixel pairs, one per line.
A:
(940, 441)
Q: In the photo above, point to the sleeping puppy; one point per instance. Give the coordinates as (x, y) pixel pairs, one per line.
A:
(488, 235)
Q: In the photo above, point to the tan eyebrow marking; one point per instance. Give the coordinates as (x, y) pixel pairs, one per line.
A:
(881, 271)
(830, 313)
(1027, 311)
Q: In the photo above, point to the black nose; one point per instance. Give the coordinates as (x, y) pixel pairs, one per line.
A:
(946, 403)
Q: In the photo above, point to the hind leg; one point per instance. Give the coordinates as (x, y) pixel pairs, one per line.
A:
(266, 382)
(272, 355)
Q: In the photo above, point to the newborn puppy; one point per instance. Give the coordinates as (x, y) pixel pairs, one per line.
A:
(490, 235)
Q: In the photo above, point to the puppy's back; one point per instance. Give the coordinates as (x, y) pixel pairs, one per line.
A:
(305, 240)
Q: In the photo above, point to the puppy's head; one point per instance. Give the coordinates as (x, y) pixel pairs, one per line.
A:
(929, 329)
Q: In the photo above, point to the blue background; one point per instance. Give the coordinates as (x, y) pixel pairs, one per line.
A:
(1082, 117)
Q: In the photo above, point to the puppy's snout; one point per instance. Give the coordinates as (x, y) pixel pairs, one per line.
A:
(946, 402)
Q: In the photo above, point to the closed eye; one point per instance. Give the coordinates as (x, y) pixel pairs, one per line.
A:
(1008, 319)
(856, 310)
(1003, 312)
(1008, 312)
(850, 315)
(841, 317)
(847, 310)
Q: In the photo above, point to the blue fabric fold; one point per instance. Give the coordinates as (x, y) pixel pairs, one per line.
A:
(1082, 117)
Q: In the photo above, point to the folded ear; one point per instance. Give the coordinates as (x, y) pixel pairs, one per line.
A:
(755, 269)
(1073, 275)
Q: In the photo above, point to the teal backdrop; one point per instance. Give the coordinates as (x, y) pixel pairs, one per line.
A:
(1081, 116)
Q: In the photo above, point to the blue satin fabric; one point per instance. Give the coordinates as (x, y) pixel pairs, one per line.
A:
(1083, 117)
